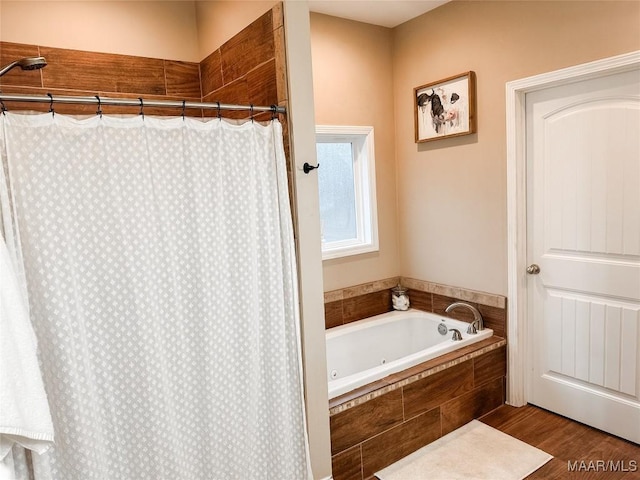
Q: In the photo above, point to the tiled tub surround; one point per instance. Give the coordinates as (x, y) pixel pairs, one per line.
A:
(379, 423)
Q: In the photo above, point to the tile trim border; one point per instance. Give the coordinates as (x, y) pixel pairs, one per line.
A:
(483, 298)
(362, 289)
(414, 378)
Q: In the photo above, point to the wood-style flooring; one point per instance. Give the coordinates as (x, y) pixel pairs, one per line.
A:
(569, 442)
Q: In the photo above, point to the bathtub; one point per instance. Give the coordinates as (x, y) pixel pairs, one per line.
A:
(368, 350)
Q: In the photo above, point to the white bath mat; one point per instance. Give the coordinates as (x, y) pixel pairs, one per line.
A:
(474, 451)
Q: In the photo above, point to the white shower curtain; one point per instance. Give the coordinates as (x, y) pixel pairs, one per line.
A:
(158, 255)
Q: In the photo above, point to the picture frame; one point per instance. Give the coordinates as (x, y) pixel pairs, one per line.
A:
(446, 108)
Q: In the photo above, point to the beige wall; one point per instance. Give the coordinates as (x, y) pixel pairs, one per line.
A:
(353, 85)
(452, 193)
(442, 205)
(186, 30)
(218, 21)
(159, 29)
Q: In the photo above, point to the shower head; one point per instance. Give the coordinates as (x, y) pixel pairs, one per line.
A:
(32, 63)
(28, 63)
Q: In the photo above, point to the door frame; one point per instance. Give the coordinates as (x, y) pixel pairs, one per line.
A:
(519, 356)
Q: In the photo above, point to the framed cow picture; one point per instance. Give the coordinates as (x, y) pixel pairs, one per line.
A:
(446, 108)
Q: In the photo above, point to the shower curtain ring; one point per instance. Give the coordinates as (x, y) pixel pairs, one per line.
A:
(141, 107)
(219, 112)
(184, 105)
(274, 111)
(3, 107)
(51, 110)
(99, 111)
(251, 112)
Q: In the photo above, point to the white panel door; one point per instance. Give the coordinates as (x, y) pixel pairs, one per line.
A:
(583, 231)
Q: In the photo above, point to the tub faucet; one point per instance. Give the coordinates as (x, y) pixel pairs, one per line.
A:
(477, 324)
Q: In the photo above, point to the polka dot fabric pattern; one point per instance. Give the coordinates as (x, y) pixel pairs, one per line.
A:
(161, 277)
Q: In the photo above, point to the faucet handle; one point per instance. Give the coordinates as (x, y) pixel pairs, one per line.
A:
(472, 330)
(457, 336)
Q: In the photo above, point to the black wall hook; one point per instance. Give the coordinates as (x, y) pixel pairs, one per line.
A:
(51, 110)
(306, 168)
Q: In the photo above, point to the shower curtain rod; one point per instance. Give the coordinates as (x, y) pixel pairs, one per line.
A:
(136, 102)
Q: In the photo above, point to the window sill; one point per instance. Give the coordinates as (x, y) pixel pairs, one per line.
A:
(341, 252)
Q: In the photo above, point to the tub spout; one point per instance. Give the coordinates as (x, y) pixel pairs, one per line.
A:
(478, 322)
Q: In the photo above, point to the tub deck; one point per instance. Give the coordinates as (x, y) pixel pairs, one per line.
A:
(396, 380)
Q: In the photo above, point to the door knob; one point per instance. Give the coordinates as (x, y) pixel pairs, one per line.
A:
(533, 269)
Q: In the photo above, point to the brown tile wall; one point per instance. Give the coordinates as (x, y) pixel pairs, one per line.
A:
(80, 73)
(374, 434)
(249, 68)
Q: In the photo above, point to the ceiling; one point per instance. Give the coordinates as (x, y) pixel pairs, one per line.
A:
(386, 13)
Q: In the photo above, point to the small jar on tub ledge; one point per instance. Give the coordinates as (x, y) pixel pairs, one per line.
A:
(399, 298)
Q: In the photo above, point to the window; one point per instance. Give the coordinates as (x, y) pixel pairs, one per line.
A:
(347, 190)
